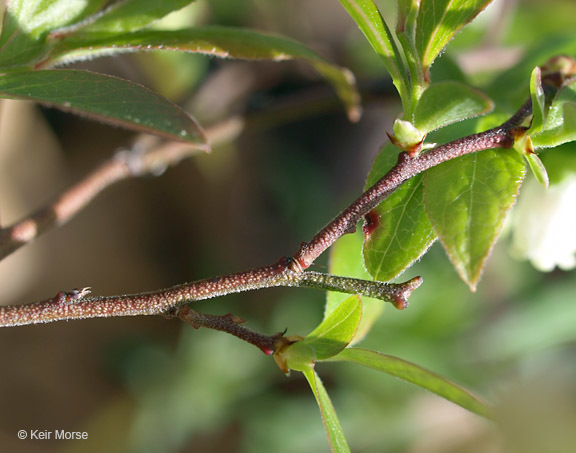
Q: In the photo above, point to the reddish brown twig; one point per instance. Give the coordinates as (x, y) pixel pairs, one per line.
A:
(287, 272)
(230, 324)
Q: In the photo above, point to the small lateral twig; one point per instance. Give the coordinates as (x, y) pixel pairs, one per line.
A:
(228, 323)
(288, 271)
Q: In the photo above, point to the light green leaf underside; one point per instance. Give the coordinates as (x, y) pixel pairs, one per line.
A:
(345, 259)
(403, 232)
(445, 103)
(415, 374)
(221, 42)
(467, 200)
(105, 98)
(332, 425)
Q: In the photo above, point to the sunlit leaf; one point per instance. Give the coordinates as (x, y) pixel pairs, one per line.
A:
(335, 433)
(445, 103)
(132, 15)
(415, 374)
(400, 231)
(336, 330)
(27, 23)
(368, 18)
(105, 98)
(438, 21)
(467, 200)
(221, 42)
(560, 124)
(538, 100)
(346, 259)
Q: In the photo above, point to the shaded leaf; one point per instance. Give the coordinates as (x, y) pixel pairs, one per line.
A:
(368, 18)
(467, 200)
(131, 15)
(415, 374)
(215, 41)
(401, 231)
(336, 330)
(331, 423)
(437, 23)
(345, 259)
(105, 98)
(445, 103)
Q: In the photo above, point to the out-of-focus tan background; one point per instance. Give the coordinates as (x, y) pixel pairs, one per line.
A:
(148, 384)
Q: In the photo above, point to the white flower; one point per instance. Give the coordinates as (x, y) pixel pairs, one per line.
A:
(544, 229)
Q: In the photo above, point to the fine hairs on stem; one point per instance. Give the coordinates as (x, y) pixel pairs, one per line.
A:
(289, 271)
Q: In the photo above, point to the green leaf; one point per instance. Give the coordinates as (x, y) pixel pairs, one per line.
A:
(415, 374)
(560, 124)
(407, 11)
(437, 23)
(538, 169)
(298, 356)
(401, 231)
(538, 101)
(368, 18)
(467, 200)
(216, 41)
(345, 259)
(105, 98)
(131, 15)
(445, 103)
(27, 24)
(337, 329)
(331, 423)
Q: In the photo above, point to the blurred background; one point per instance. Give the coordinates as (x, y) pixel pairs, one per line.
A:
(153, 385)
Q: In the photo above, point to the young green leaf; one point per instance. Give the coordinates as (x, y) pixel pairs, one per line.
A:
(415, 374)
(445, 103)
(334, 431)
(131, 15)
(105, 98)
(368, 18)
(345, 259)
(538, 101)
(538, 169)
(467, 200)
(337, 329)
(560, 124)
(216, 41)
(27, 23)
(399, 231)
(437, 23)
(407, 12)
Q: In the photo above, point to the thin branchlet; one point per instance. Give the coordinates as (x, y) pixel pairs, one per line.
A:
(288, 271)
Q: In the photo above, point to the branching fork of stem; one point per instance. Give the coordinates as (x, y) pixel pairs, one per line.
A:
(288, 271)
